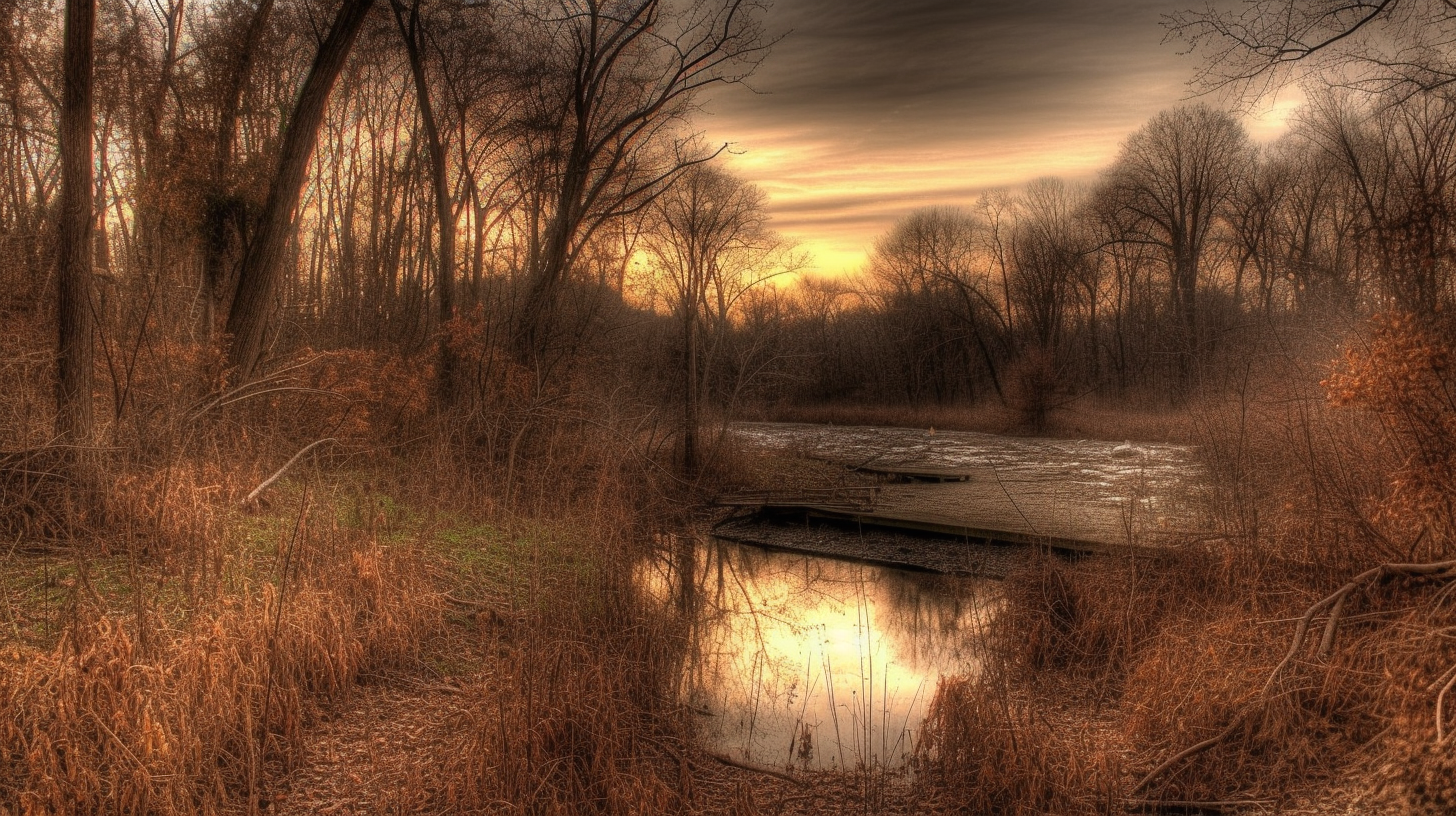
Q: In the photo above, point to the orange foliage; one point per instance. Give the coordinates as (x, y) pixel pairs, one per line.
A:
(1402, 375)
(381, 393)
(486, 372)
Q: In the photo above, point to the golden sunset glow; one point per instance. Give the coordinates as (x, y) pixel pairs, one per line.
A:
(836, 199)
(967, 100)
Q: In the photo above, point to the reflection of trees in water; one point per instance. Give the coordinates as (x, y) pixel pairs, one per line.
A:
(935, 619)
(751, 618)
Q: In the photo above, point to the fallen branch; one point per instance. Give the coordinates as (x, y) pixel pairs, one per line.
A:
(755, 768)
(257, 491)
(1190, 751)
(1335, 604)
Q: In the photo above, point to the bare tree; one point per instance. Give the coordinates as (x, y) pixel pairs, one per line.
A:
(263, 267)
(1048, 257)
(412, 32)
(1318, 251)
(931, 274)
(224, 209)
(631, 71)
(711, 244)
(1400, 46)
(1400, 161)
(1169, 183)
(74, 316)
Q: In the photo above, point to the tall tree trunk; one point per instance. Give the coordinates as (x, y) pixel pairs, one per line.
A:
(263, 266)
(537, 318)
(692, 410)
(444, 209)
(223, 206)
(150, 216)
(76, 234)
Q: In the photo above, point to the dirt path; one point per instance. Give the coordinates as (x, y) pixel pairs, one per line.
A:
(378, 752)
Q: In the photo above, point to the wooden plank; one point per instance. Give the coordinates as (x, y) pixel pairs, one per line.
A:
(875, 545)
(915, 473)
(843, 498)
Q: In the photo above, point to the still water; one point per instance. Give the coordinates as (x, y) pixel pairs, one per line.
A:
(803, 660)
(812, 662)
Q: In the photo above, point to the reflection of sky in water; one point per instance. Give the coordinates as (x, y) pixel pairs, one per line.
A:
(848, 653)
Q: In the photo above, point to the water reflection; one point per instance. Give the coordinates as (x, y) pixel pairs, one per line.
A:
(814, 662)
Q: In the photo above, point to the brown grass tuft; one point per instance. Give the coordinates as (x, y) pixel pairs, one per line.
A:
(985, 750)
(138, 714)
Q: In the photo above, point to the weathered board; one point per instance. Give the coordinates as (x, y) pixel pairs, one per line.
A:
(914, 473)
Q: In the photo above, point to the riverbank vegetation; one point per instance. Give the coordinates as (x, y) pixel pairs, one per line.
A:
(372, 347)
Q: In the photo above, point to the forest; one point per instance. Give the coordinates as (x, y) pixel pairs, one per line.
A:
(355, 357)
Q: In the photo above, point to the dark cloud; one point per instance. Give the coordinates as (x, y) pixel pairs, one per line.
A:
(870, 108)
(937, 68)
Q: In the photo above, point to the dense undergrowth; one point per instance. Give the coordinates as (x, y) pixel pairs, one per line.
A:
(1187, 679)
(167, 645)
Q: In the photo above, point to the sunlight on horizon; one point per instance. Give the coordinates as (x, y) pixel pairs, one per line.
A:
(835, 199)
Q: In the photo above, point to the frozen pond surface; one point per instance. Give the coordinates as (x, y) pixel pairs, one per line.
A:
(1091, 490)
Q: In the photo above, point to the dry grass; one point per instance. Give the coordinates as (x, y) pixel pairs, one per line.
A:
(985, 749)
(1091, 621)
(142, 713)
(1165, 656)
(579, 714)
(168, 653)
(185, 648)
(575, 720)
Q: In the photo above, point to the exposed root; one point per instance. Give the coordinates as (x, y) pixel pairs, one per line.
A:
(1335, 604)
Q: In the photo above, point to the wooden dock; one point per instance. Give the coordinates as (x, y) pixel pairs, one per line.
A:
(879, 546)
(836, 499)
(914, 473)
(929, 524)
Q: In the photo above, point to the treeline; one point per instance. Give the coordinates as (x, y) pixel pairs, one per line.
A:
(1193, 254)
(512, 197)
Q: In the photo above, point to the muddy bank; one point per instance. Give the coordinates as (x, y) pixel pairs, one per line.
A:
(874, 546)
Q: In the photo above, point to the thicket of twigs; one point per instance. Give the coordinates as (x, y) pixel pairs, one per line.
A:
(171, 632)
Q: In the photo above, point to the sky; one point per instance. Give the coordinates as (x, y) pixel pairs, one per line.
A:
(869, 109)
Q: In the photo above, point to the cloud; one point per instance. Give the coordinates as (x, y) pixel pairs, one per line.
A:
(868, 108)
(890, 70)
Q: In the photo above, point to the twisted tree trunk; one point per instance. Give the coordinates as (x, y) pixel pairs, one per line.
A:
(263, 265)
